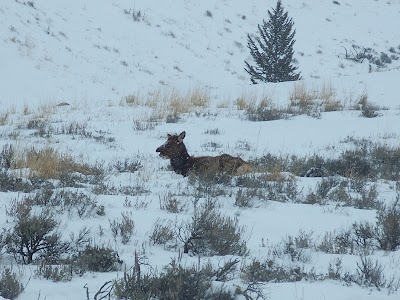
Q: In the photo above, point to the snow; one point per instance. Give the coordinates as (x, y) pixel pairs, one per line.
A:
(91, 54)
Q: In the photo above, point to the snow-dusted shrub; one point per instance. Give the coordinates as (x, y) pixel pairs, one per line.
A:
(370, 274)
(140, 125)
(352, 163)
(337, 242)
(353, 192)
(262, 113)
(368, 110)
(123, 227)
(271, 271)
(211, 233)
(385, 59)
(7, 156)
(244, 197)
(386, 161)
(9, 183)
(102, 188)
(96, 259)
(367, 160)
(365, 237)
(295, 248)
(209, 185)
(162, 233)
(10, 284)
(173, 283)
(3, 118)
(55, 273)
(273, 186)
(388, 226)
(77, 202)
(368, 199)
(132, 286)
(308, 166)
(171, 203)
(35, 234)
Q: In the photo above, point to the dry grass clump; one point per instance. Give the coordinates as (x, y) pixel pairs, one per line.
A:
(171, 102)
(44, 111)
(258, 107)
(368, 109)
(307, 99)
(48, 163)
(132, 100)
(198, 97)
(246, 100)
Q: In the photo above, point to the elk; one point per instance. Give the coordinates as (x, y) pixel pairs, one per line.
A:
(175, 150)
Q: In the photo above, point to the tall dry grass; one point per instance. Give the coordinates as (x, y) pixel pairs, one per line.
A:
(306, 98)
(48, 163)
(168, 102)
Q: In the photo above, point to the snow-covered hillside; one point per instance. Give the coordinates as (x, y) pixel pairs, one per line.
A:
(86, 50)
(128, 71)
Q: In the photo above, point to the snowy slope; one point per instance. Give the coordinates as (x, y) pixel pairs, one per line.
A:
(86, 50)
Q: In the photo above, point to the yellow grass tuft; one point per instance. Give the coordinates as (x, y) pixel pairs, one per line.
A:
(302, 96)
(48, 163)
(198, 97)
(307, 98)
(248, 100)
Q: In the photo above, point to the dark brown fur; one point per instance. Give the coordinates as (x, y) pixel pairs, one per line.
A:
(182, 163)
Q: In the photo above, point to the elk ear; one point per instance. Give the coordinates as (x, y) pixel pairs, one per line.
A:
(181, 136)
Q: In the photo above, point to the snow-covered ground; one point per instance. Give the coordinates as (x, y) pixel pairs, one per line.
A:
(92, 54)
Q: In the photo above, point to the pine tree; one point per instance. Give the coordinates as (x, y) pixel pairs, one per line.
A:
(272, 52)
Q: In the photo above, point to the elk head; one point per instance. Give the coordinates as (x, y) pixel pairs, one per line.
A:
(173, 147)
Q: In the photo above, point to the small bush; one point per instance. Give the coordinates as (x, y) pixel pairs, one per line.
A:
(271, 271)
(173, 283)
(171, 203)
(61, 273)
(124, 228)
(132, 286)
(102, 188)
(10, 285)
(178, 283)
(388, 226)
(210, 233)
(368, 110)
(209, 14)
(162, 233)
(261, 113)
(244, 198)
(364, 237)
(96, 259)
(370, 274)
(385, 59)
(9, 183)
(7, 156)
(337, 242)
(35, 234)
(295, 248)
(72, 202)
(127, 166)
